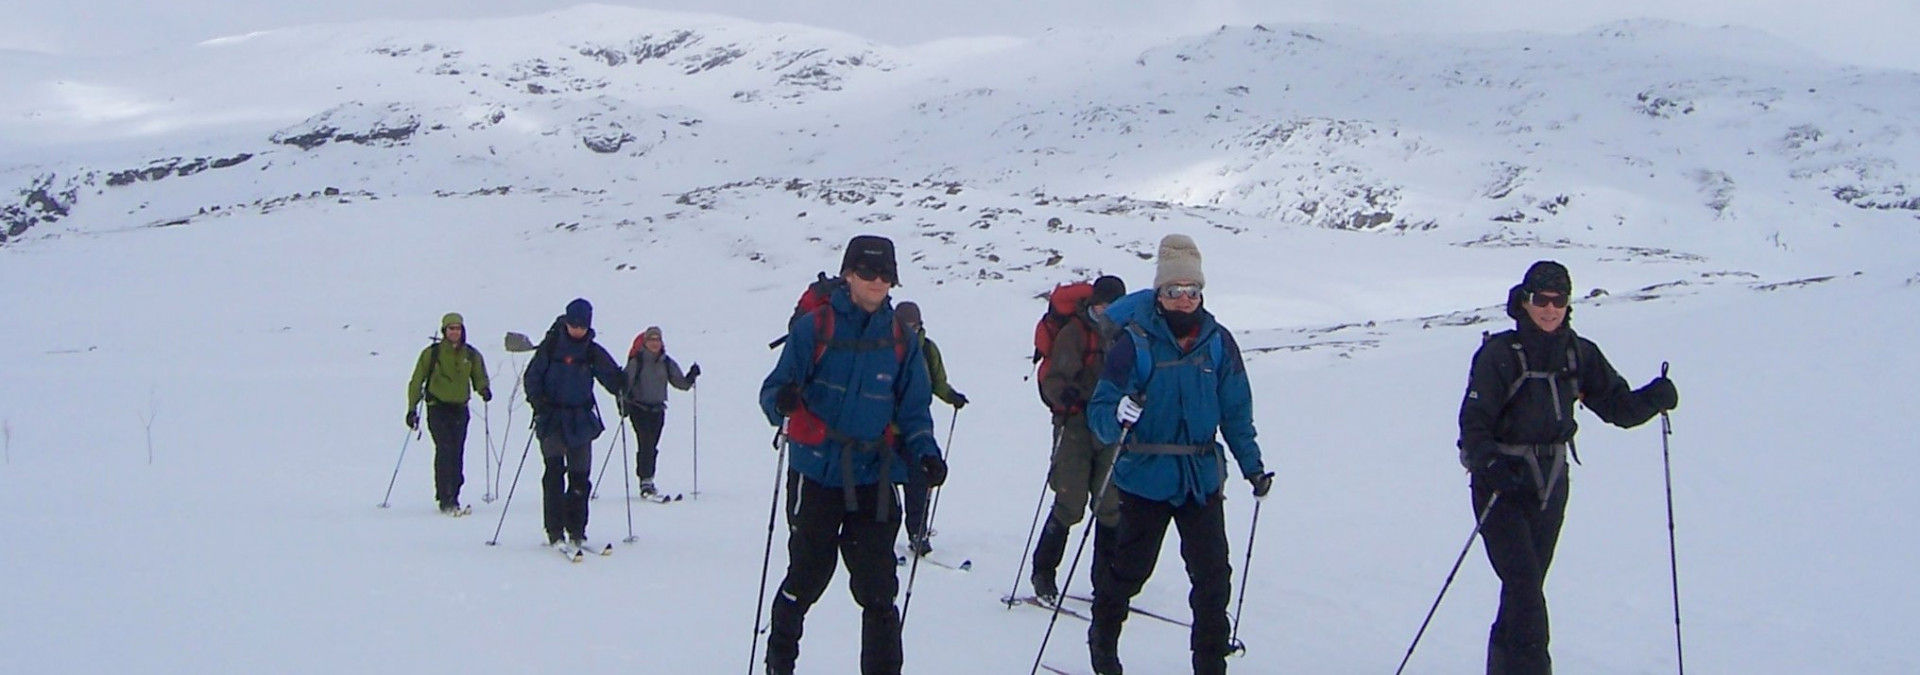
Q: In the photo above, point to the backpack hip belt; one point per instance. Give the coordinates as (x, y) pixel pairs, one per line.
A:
(1167, 449)
(849, 445)
(1555, 454)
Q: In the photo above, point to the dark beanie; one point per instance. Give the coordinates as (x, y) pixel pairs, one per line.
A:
(1549, 276)
(872, 254)
(1107, 289)
(907, 312)
(580, 313)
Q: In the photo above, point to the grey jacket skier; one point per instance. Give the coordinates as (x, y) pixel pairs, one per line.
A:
(649, 372)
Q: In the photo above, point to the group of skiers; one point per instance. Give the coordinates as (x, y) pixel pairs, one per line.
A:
(1143, 388)
(559, 383)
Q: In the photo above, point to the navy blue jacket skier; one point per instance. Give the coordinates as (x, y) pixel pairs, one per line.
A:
(1172, 382)
(566, 417)
(846, 376)
(1516, 430)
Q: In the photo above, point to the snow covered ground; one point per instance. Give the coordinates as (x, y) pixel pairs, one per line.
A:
(203, 399)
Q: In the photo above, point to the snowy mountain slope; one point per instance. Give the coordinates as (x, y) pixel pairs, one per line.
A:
(1598, 138)
(252, 326)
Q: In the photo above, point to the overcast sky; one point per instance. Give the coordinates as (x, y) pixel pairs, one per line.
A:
(1865, 32)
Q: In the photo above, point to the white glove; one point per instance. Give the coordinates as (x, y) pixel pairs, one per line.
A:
(1127, 413)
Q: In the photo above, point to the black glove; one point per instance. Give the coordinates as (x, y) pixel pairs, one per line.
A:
(787, 399)
(413, 419)
(486, 394)
(1660, 394)
(936, 470)
(1501, 473)
(1262, 483)
(693, 374)
(959, 400)
(1070, 398)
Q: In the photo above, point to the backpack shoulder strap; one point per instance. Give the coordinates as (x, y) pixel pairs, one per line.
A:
(432, 353)
(1142, 357)
(1552, 377)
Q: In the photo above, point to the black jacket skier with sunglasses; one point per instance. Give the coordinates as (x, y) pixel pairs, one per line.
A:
(1516, 431)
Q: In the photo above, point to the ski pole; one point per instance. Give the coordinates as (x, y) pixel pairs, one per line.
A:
(696, 440)
(1246, 569)
(495, 541)
(486, 420)
(506, 438)
(1085, 534)
(935, 506)
(1013, 592)
(396, 467)
(926, 529)
(1673, 557)
(609, 460)
(626, 477)
(1477, 524)
(913, 571)
(773, 508)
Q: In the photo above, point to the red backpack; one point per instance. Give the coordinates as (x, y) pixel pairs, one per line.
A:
(817, 295)
(1064, 305)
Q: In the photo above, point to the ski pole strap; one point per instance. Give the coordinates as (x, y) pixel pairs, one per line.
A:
(1168, 449)
(1544, 481)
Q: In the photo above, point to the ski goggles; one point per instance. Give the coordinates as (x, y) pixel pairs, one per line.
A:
(1547, 299)
(1178, 291)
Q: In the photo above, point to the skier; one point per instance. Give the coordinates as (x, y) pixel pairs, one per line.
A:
(1516, 428)
(566, 417)
(1078, 463)
(917, 490)
(1173, 380)
(847, 373)
(649, 371)
(445, 375)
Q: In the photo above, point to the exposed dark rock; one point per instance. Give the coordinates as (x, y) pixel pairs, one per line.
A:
(607, 142)
(39, 202)
(352, 122)
(174, 166)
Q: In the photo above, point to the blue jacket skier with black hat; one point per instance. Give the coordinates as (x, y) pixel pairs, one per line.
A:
(847, 381)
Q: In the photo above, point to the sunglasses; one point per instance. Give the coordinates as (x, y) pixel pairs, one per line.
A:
(871, 275)
(1179, 291)
(1547, 299)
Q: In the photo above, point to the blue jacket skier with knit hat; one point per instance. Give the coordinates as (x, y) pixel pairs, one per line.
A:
(1173, 383)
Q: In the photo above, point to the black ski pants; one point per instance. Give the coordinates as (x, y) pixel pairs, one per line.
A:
(647, 423)
(1519, 537)
(818, 527)
(1203, 545)
(565, 486)
(448, 425)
